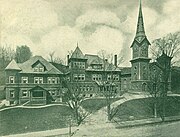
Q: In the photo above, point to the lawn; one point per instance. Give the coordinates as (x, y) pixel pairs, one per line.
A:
(21, 120)
(94, 104)
(143, 108)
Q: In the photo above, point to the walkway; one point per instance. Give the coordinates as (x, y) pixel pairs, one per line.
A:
(98, 120)
(95, 123)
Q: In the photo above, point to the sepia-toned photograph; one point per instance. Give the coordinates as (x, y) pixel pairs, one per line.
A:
(90, 68)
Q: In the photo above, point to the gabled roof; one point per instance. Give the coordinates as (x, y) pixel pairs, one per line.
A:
(26, 67)
(96, 60)
(38, 88)
(12, 66)
(60, 67)
(152, 64)
(125, 70)
(77, 54)
(93, 59)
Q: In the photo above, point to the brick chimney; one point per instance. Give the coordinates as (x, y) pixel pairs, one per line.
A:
(115, 60)
(67, 60)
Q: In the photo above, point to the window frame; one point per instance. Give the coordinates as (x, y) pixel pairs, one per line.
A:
(24, 78)
(38, 80)
(23, 93)
(11, 93)
(11, 79)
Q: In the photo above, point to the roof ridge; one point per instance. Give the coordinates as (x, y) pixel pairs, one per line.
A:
(12, 66)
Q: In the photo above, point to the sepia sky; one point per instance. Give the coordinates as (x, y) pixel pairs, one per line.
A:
(57, 25)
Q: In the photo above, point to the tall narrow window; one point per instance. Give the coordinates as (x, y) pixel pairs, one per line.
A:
(49, 80)
(11, 79)
(38, 80)
(12, 93)
(116, 77)
(24, 80)
(75, 77)
(108, 77)
(24, 93)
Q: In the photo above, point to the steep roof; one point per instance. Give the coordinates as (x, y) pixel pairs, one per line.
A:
(12, 66)
(60, 67)
(140, 31)
(96, 60)
(26, 67)
(93, 59)
(78, 54)
(125, 70)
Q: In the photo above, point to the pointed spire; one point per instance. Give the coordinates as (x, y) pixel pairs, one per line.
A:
(77, 53)
(140, 32)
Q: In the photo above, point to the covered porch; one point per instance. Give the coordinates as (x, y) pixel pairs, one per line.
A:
(38, 96)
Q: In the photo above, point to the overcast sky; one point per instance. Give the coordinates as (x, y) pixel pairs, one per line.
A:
(57, 25)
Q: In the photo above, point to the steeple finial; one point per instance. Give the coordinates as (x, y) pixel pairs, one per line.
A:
(77, 44)
(140, 25)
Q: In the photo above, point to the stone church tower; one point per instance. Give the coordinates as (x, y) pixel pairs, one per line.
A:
(140, 59)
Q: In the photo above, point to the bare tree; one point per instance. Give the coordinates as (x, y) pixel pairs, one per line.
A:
(74, 99)
(108, 87)
(54, 59)
(74, 95)
(170, 45)
(6, 55)
(155, 88)
(51, 56)
(166, 50)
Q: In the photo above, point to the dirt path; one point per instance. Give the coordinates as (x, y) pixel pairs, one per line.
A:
(98, 120)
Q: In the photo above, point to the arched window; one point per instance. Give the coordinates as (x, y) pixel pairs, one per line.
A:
(144, 87)
(135, 76)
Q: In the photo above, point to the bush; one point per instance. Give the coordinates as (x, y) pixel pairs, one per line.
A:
(2, 93)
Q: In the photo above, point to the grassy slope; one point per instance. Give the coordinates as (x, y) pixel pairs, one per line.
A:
(92, 105)
(143, 108)
(21, 120)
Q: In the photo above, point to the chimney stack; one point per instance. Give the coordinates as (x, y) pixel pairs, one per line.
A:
(115, 60)
(67, 60)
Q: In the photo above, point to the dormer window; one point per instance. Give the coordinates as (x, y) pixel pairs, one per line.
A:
(41, 69)
(96, 66)
(35, 69)
(38, 67)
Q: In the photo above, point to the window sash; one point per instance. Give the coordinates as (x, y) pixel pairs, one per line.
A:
(24, 93)
(24, 80)
(12, 93)
(38, 80)
(11, 79)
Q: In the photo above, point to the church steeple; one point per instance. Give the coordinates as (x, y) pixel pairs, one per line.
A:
(140, 32)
